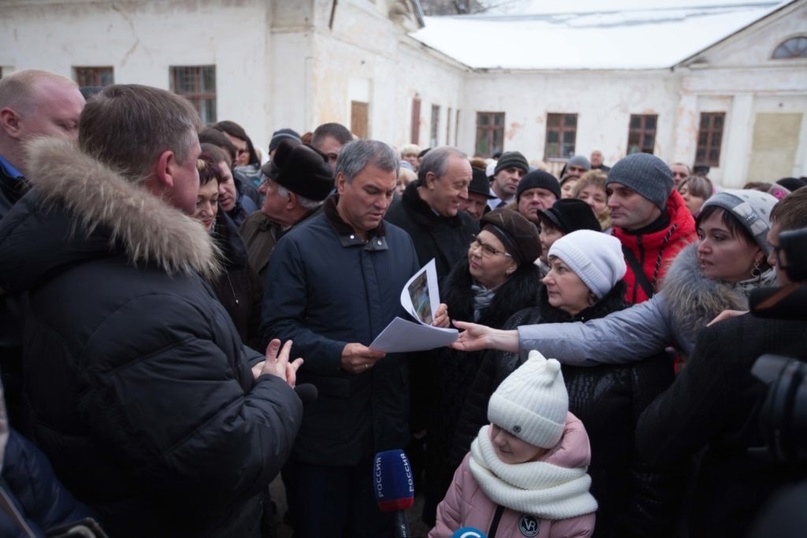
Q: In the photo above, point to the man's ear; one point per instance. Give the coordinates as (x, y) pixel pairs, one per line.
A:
(341, 183)
(291, 201)
(430, 178)
(164, 169)
(10, 121)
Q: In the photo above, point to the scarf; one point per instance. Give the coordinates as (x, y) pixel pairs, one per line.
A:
(482, 298)
(537, 488)
(765, 280)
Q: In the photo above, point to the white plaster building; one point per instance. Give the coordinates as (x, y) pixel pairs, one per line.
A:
(380, 68)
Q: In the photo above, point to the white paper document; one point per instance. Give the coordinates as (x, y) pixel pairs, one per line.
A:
(420, 298)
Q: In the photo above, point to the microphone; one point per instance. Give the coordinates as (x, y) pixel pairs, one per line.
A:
(394, 488)
(468, 532)
(307, 392)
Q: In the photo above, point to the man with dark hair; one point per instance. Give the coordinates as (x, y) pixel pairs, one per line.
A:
(510, 168)
(329, 138)
(237, 195)
(333, 284)
(141, 392)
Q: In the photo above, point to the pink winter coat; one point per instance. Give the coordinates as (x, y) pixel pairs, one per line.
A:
(466, 505)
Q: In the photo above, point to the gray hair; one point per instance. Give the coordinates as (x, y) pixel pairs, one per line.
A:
(356, 155)
(436, 162)
(304, 202)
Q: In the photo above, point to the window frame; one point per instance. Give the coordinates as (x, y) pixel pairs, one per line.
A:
(489, 133)
(706, 150)
(200, 94)
(93, 75)
(638, 134)
(558, 124)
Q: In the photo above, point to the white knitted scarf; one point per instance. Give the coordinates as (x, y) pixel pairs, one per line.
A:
(536, 488)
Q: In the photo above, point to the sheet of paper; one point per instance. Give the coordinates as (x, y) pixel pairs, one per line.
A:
(420, 297)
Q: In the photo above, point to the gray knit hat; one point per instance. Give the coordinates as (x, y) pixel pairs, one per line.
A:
(579, 160)
(751, 208)
(532, 402)
(512, 159)
(646, 174)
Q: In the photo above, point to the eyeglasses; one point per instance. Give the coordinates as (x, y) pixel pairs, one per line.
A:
(487, 250)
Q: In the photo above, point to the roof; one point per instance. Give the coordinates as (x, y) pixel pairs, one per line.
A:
(590, 34)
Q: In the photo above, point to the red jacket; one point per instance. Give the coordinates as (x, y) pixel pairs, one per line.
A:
(655, 251)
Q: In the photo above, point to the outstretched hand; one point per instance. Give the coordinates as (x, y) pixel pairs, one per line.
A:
(726, 314)
(277, 363)
(473, 336)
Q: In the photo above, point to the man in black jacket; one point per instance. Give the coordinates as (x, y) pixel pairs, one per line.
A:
(33, 103)
(141, 393)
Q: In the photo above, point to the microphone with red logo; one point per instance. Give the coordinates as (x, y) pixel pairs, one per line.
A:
(394, 487)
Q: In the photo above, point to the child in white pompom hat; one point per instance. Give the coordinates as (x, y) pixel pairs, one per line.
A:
(526, 472)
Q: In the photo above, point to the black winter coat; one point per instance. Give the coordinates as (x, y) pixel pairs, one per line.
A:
(715, 403)
(445, 239)
(139, 388)
(634, 498)
(238, 287)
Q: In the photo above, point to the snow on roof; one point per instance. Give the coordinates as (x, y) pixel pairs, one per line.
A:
(590, 34)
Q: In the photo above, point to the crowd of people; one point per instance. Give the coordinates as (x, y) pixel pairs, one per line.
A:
(158, 278)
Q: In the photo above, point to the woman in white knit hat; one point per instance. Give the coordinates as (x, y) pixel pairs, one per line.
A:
(585, 282)
(526, 472)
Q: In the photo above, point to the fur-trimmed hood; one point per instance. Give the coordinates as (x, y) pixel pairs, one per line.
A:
(102, 210)
(694, 300)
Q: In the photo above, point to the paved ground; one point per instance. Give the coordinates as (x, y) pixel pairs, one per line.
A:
(416, 528)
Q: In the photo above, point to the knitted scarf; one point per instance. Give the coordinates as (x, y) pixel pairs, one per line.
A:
(536, 488)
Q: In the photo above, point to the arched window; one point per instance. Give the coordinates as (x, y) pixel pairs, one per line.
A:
(795, 47)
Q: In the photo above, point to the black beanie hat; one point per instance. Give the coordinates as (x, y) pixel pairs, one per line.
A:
(538, 179)
(303, 170)
(480, 184)
(519, 236)
(512, 159)
(569, 215)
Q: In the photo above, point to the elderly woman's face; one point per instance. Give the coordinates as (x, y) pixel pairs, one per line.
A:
(565, 289)
(723, 255)
(488, 260)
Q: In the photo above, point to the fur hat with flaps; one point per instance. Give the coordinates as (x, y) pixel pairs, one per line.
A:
(518, 235)
(532, 402)
(303, 170)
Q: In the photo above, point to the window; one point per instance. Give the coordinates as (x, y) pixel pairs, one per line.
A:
(795, 47)
(435, 126)
(710, 137)
(198, 85)
(561, 134)
(489, 133)
(94, 76)
(456, 125)
(642, 133)
(414, 133)
(448, 126)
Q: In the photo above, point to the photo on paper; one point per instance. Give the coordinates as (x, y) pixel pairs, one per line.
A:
(419, 295)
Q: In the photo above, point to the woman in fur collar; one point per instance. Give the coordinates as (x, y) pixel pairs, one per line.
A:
(717, 273)
(496, 279)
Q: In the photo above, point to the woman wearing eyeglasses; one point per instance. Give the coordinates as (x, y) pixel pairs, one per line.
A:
(496, 279)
